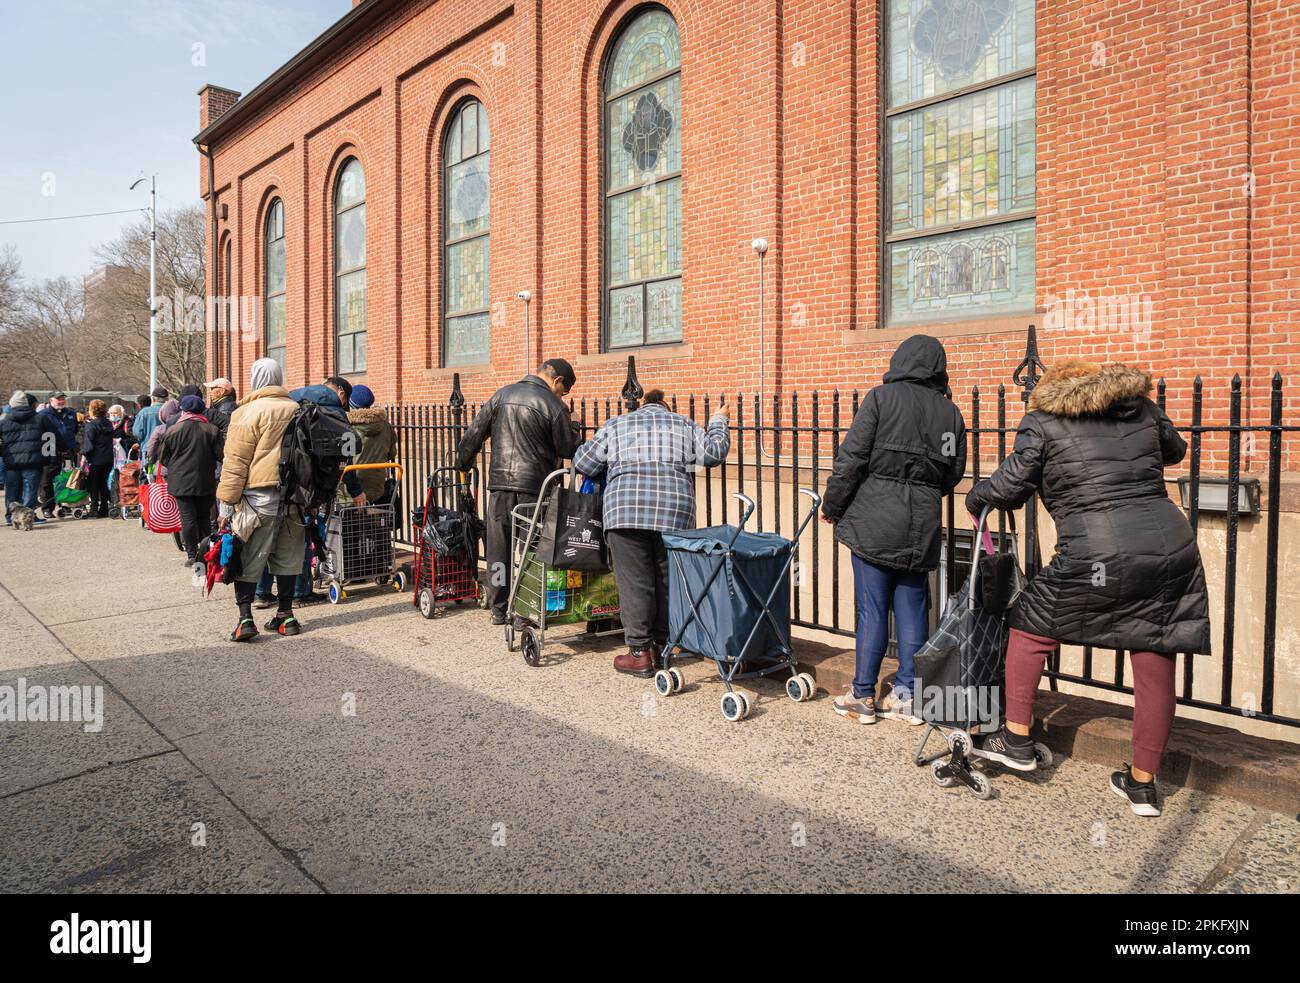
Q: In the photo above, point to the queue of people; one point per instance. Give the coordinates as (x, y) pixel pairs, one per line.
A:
(1093, 445)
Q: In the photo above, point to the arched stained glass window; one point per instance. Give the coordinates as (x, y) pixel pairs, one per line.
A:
(466, 319)
(643, 184)
(273, 286)
(350, 269)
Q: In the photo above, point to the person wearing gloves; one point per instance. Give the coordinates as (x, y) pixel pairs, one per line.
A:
(190, 450)
(249, 497)
(648, 459)
(378, 439)
(1127, 572)
(904, 451)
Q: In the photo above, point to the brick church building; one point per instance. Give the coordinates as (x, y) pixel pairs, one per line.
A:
(1121, 173)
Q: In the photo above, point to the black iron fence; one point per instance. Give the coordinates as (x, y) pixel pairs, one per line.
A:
(788, 442)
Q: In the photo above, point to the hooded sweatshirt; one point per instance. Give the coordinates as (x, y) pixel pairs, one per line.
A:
(378, 444)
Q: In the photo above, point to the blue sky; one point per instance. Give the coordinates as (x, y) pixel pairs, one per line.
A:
(98, 91)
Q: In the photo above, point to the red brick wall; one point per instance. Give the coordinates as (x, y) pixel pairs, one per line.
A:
(1152, 118)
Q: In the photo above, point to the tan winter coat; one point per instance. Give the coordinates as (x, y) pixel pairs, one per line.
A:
(252, 458)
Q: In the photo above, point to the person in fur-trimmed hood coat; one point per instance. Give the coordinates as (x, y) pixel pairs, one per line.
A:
(1127, 572)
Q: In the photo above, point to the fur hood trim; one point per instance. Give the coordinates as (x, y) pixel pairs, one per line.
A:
(1075, 388)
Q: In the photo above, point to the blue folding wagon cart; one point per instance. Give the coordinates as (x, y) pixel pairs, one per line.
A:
(729, 601)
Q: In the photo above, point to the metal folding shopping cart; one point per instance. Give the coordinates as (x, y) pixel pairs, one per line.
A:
(542, 597)
(359, 543)
(729, 601)
(447, 530)
(959, 681)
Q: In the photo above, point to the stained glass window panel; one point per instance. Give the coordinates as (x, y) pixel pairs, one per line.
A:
(645, 233)
(645, 139)
(663, 311)
(976, 273)
(626, 317)
(350, 317)
(648, 47)
(352, 185)
(351, 238)
(468, 198)
(275, 266)
(938, 46)
(968, 158)
(467, 276)
(467, 339)
(275, 322)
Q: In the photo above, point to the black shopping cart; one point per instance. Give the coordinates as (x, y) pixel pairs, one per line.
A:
(729, 601)
(959, 680)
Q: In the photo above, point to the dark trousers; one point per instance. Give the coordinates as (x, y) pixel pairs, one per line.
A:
(498, 545)
(195, 512)
(98, 480)
(47, 481)
(878, 591)
(641, 570)
(21, 484)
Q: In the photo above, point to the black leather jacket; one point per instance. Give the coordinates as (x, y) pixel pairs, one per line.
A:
(531, 433)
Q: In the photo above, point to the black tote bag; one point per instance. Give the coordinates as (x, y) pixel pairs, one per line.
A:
(573, 533)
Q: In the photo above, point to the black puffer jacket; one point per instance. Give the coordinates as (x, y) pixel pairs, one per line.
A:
(96, 442)
(22, 437)
(905, 450)
(531, 433)
(1127, 573)
(190, 450)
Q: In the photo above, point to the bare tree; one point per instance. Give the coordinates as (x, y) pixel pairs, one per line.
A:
(43, 340)
(120, 311)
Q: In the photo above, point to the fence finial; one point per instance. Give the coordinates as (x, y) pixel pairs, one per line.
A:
(632, 391)
(1029, 371)
(457, 398)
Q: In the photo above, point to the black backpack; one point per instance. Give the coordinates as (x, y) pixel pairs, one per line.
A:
(315, 448)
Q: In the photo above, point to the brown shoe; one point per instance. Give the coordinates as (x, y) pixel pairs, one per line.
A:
(636, 662)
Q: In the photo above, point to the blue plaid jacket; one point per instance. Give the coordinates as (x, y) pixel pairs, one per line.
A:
(648, 458)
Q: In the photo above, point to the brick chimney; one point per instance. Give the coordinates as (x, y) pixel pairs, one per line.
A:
(214, 101)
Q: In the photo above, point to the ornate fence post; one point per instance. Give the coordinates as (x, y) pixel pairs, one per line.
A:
(1026, 376)
(632, 391)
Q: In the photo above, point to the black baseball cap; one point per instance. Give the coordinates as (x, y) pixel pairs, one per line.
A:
(562, 370)
(58, 394)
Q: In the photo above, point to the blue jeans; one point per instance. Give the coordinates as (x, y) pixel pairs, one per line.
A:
(878, 590)
(22, 486)
(303, 587)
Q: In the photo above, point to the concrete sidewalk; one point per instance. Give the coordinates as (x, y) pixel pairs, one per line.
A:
(224, 767)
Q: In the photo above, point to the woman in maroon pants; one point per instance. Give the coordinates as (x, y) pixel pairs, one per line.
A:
(1127, 572)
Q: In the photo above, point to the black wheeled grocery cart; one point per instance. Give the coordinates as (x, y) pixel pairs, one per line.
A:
(729, 600)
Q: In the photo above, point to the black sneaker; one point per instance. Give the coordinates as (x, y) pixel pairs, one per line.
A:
(284, 624)
(263, 601)
(1142, 796)
(1008, 749)
(499, 619)
(245, 631)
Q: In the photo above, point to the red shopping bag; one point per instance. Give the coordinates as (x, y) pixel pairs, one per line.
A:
(159, 508)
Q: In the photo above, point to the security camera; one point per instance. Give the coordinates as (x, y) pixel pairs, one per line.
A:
(760, 246)
(524, 295)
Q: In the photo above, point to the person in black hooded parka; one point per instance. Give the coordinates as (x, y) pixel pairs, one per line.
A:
(1127, 572)
(905, 450)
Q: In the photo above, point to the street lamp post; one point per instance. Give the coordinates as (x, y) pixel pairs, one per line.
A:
(153, 278)
(526, 296)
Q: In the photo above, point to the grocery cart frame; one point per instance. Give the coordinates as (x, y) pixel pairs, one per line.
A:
(525, 531)
(338, 567)
(735, 704)
(449, 580)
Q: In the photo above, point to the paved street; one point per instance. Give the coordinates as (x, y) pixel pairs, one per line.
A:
(462, 769)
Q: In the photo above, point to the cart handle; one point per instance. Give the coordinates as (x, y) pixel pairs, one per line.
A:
(749, 507)
(381, 465)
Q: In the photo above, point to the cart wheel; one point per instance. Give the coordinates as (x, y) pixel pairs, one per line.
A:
(734, 706)
(665, 683)
(943, 781)
(983, 788)
(794, 689)
(532, 646)
(426, 603)
(810, 683)
(399, 581)
(1043, 755)
(511, 635)
(481, 597)
(679, 681)
(961, 740)
(336, 594)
